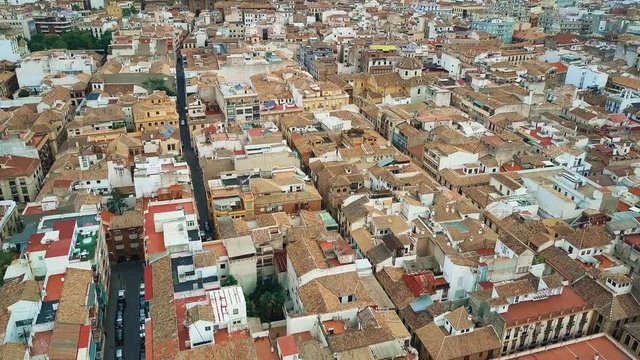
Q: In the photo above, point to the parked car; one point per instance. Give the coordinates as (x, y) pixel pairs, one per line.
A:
(142, 333)
(142, 316)
(207, 226)
(119, 354)
(119, 319)
(121, 305)
(121, 295)
(143, 303)
(119, 336)
(142, 290)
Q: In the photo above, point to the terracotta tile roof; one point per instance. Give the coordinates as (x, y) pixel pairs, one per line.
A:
(567, 302)
(358, 339)
(128, 219)
(64, 341)
(305, 255)
(16, 166)
(459, 319)
(287, 346)
(72, 308)
(562, 263)
(589, 237)
(390, 280)
(204, 259)
(363, 239)
(323, 294)
(612, 307)
(443, 346)
(13, 291)
(235, 348)
(628, 82)
(582, 348)
(312, 349)
(163, 316)
(13, 351)
(198, 313)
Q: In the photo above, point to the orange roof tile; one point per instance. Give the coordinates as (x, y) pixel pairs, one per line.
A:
(529, 311)
(54, 287)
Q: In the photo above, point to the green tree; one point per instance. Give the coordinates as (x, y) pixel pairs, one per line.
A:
(133, 10)
(72, 40)
(6, 257)
(116, 203)
(76, 7)
(267, 301)
(23, 93)
(229, 281)
(158, 84)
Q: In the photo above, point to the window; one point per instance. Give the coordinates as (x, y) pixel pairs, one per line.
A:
(207, 328)
(223, 266)
(235, 312)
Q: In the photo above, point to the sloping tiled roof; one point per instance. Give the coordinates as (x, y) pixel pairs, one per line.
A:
(323, 294)
(12, 351)
(562, 263)
(442, 346)
(163, 316)
(72, 308)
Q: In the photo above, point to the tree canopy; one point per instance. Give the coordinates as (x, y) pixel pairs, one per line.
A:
(267, 301)
(72, 40)
(229, 281)
(158, 84)
(116, 203)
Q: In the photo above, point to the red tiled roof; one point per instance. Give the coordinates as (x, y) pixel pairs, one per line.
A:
(263, 349)
(287, 346)
(148, 340)
(148, 283)
(280, 258)
(511, 167)
(41, 343)
(336, 326)
(530, 311)
(605, 263)
(633, 240)
(420, 283)
(83, 341)
(493, 140)
(560, 67)
(61, 247)
(14, 166)
(54, 287)
(618, 118)
(583, 348)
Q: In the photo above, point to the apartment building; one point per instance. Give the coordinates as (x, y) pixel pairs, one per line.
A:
(20, 178)
(155, 112)
(124, 235)
(238, 102)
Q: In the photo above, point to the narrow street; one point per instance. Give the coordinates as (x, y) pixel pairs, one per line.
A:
(127, 276)
(199, 189)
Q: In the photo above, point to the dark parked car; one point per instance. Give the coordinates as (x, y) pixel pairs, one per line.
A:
(119, 319)
(119, 337)
(207, 226)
